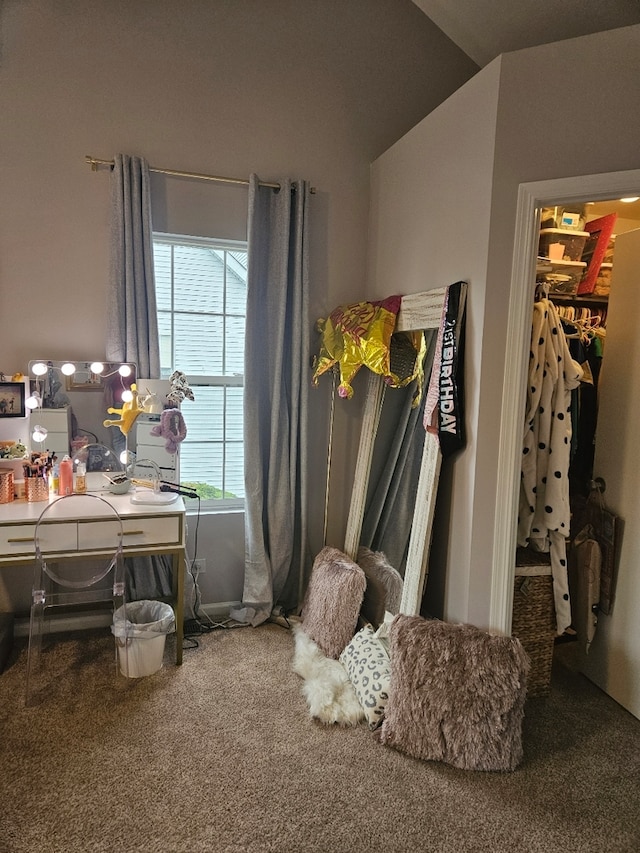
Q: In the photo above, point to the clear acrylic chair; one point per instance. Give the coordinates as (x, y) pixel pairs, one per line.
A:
(65, 579)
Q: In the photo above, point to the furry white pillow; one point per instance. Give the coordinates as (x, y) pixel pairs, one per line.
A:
(327, 689)
(366, 660)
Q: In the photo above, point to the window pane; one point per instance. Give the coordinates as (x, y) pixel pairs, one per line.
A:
(234, 473)
(235, 414)
(162, 272)
(198, 279)
(204, 464)
(206, 414)
(212, 452)
(201, 463)
(166, 349)
(198, 343)
(236, 283)
(201, 289)
(235, 345)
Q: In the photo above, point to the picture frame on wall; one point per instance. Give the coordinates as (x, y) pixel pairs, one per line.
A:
(600, 231)
(12, 400)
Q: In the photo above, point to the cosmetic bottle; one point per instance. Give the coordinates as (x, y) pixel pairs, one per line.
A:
(81, 479)
(54, 480)
(66, 476)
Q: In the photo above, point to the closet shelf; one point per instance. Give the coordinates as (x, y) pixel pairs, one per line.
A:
(568, 232)
(544, 262)
(578, 300)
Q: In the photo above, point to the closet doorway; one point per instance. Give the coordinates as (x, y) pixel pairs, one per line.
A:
(614, 658)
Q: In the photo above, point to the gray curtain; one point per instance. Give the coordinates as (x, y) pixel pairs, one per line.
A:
(132, 320)
(395, 469)
(277, 379)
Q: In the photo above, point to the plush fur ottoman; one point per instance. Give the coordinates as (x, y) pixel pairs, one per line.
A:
(457, 694)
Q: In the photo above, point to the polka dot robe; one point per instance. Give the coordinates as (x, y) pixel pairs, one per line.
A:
(545, 515)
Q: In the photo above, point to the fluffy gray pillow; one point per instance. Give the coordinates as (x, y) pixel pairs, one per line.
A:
(384, 586)
(457, 694)
(332, 601)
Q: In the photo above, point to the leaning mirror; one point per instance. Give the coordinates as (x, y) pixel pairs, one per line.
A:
(421, 311)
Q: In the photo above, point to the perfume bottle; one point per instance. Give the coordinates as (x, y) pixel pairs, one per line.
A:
(54, 480)
(81, 478)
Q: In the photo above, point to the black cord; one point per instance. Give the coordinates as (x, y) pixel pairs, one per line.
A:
(196, 589)
(203, 623)
(193, 630)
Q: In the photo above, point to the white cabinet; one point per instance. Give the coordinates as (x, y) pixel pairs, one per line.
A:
(152, 447)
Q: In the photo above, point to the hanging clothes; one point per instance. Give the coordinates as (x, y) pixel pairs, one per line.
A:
(544, 516)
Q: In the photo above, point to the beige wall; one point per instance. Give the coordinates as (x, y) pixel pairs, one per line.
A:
(569, 108)
(430, 217)
(285, 88)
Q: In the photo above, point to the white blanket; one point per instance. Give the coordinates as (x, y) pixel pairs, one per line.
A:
(327, 688)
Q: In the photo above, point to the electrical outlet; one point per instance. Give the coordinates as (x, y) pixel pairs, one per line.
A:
(200, 566)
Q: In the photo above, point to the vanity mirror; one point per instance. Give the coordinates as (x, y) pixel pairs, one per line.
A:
(68, 401)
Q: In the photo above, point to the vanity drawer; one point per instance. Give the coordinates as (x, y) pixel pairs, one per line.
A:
(137, 533)
(147, 532)
(18, 539)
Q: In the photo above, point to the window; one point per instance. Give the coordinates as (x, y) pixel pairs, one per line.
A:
(201, 289)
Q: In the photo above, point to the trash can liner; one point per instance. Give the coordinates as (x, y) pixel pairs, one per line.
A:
(143, 620)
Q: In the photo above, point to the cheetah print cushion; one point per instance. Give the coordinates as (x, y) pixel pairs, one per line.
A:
(366, 660)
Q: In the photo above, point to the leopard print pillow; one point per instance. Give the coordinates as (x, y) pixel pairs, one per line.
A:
(368, 666)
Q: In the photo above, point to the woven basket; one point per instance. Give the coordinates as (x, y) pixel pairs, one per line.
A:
(534, 622)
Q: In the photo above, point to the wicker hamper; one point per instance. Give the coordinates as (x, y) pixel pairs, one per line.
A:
(534, 618)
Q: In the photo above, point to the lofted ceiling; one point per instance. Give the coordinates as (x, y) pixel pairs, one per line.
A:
(484, 29)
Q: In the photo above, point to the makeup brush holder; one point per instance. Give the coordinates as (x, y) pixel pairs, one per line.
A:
(36, 489)
(6, 485)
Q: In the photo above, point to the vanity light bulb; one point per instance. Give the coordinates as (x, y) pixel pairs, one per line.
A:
(39, 368)
(124, 370)
(39, 433)
(97, 367)
(630, 199)
(32, 402)
(127, 396)
(68, 369)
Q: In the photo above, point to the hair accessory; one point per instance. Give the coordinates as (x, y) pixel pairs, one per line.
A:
(179, 388)
(172, 428)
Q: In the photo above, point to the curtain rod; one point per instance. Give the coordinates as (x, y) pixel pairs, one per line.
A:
(94, 162)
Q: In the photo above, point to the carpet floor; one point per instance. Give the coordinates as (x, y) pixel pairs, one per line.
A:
(221, 755)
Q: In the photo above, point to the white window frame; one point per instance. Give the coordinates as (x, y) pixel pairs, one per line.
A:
(209, 380)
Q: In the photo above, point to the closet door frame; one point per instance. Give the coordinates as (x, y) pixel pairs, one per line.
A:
(532, 197)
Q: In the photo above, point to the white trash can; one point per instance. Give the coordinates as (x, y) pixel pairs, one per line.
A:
(140, 629)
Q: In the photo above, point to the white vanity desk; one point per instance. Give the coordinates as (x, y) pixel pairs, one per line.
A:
(148, 529)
